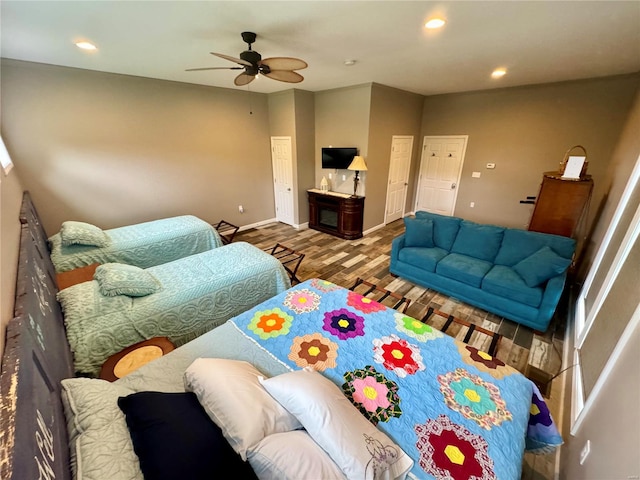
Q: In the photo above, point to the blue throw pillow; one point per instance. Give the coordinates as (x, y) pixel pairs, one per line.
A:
(175, 438)
(540, 266)
(478, 240)
(418, 232)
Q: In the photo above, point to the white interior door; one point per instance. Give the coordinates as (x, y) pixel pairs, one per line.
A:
(440, 170)
(282, 161)
(401, 149)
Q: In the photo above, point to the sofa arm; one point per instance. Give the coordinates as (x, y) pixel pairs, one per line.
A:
(551, 297)
(396, 245)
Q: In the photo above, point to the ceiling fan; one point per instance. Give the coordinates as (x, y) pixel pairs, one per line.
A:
(276, 68)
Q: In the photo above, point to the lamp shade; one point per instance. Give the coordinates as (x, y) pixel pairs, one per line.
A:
(358, 164)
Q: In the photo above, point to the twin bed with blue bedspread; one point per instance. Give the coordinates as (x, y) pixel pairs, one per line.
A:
(191, 296)
(144, 244)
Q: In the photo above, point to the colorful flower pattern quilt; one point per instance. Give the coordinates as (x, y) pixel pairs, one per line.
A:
(457, 411)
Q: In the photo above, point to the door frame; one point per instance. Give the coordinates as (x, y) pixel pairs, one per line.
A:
(292, 221)
(406, 177)
(465, 139)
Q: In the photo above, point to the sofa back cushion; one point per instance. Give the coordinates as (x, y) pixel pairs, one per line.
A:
(478, 241)
(520, 244)
(418, 232)
(445, 228)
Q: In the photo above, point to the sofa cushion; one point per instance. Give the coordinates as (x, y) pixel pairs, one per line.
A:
(424, 258)
(445, 228)
(418, 232)
(540, 266)
(478, 241)
(519, 244)
(465, 269)
(505, 282)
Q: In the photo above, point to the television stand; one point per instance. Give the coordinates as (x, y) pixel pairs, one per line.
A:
(335, 213)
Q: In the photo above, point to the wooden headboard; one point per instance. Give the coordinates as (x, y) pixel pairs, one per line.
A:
(33, 432)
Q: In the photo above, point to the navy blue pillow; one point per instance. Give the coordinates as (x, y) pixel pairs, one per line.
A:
(175, 438)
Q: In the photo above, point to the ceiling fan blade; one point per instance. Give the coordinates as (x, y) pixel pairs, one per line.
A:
(284, 76)
(213, 68)
(232, 59)
(243, 79)
(284, 63)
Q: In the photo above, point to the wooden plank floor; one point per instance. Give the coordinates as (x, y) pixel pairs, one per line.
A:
(343, 261)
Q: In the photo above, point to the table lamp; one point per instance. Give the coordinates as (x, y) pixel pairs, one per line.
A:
(358, 166)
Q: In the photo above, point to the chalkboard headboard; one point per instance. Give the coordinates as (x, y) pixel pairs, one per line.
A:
(33, 432)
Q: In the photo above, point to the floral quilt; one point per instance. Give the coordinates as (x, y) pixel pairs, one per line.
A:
(457, 411)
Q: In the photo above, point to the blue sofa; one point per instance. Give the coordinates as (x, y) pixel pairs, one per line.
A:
(516, 274)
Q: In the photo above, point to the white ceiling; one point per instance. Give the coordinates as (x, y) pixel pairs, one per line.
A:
(538, 42)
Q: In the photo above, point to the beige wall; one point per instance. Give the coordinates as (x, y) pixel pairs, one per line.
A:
(10, 201)
(342, 120)
(393, 112)
(291, 114)
(282, 123)
(366, 117)
(305, 149)
(526, 131)
(115, 150)
(612, 424)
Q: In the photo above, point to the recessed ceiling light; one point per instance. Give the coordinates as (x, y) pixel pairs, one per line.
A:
(86, 46)
(435, 23)
(499, 72)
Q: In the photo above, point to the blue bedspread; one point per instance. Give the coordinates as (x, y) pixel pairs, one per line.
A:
(197, 294)
(458, 412)
(144, 245)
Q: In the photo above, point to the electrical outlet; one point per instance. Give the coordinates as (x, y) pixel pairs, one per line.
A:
(491, 165)
(344, 177)
(584, 453)
(475, 174)
(240, 208)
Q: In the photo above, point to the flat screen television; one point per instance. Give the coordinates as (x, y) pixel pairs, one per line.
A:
(339, 158)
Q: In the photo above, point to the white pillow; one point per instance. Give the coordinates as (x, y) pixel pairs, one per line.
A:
(232, 396)
(292, 456)
(354, 444)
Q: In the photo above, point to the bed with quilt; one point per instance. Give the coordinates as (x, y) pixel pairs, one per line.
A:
(316, 382)
(180, 300)
(79, 244)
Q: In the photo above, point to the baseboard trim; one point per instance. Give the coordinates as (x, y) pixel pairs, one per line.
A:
(377, 227)
(301, 226)
(257, 224)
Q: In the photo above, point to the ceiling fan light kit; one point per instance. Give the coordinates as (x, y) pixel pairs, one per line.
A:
(276, 68)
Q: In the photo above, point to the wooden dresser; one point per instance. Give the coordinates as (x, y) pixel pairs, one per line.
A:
(561, 207)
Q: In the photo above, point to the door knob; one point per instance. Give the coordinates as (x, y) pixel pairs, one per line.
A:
(288, 189)
(453, 185)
